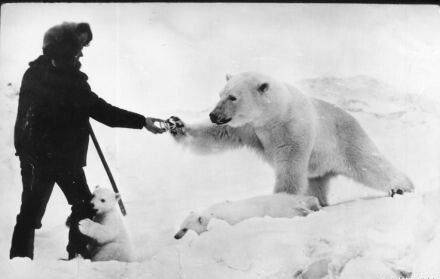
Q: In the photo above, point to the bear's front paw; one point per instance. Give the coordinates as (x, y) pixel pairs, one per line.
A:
(85, 225)
(175, 126)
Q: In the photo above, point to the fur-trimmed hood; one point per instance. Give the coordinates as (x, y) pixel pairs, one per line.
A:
(64, 41)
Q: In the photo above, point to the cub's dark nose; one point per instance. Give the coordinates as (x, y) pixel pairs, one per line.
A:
(213, 117)
(180, 233)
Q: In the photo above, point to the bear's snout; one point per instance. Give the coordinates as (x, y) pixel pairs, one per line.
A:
(213, 117)
(218, 119)
(180, 233)
(93, 207)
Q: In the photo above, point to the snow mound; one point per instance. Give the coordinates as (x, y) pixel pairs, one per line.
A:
(368, 95)
(378, 234)
(362, 239)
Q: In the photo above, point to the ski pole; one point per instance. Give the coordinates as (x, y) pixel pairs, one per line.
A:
(107, 169)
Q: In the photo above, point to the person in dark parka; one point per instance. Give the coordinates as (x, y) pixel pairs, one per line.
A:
(52, 133)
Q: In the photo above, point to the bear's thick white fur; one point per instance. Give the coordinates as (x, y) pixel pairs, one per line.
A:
(110, 240)
(306, 140)
(276, 205)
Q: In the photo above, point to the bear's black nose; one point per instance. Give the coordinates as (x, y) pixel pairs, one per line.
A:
(213, 117)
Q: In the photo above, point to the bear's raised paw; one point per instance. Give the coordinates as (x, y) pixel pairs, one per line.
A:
(175, 126)
(85, 225)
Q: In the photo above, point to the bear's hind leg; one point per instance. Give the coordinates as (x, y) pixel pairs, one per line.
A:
(318, 187)
(376, 172)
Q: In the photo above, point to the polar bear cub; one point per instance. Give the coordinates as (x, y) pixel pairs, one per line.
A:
(276, 205)
(110, 240)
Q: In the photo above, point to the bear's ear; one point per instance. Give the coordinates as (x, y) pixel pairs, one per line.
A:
(117, 196)
(228, 77)
(262, 88)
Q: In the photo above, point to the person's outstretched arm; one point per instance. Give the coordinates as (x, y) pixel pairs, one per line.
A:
(113, 116)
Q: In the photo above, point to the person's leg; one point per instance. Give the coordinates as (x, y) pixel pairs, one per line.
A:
(74, 186)
(41, 210)
(38, 183)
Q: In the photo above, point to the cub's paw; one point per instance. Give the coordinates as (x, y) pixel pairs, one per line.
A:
(85, 226)
(405, 186)
(394, 192)
(176, 126)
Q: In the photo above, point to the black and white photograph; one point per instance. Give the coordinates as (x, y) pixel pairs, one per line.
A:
(220, 140)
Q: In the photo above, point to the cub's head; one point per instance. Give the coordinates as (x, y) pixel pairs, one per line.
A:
(104, 200)
(246, 98)
(195, 222)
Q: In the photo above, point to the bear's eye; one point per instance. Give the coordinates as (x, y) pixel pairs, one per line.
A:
(102, 200)
(232, 98)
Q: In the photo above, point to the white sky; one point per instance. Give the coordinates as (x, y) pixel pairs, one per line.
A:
(178, 54)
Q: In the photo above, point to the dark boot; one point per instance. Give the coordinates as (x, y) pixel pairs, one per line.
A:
(77, 241)
(37, 187)
(74, 186)
(85, 254)
(22, 244)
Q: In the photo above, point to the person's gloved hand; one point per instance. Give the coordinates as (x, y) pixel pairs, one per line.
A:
(157, 128)
(175, 125)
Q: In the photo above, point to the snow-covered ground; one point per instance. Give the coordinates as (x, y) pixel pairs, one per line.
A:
(380, 63)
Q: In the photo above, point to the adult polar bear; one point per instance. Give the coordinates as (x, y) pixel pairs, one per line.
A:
(307, 141)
